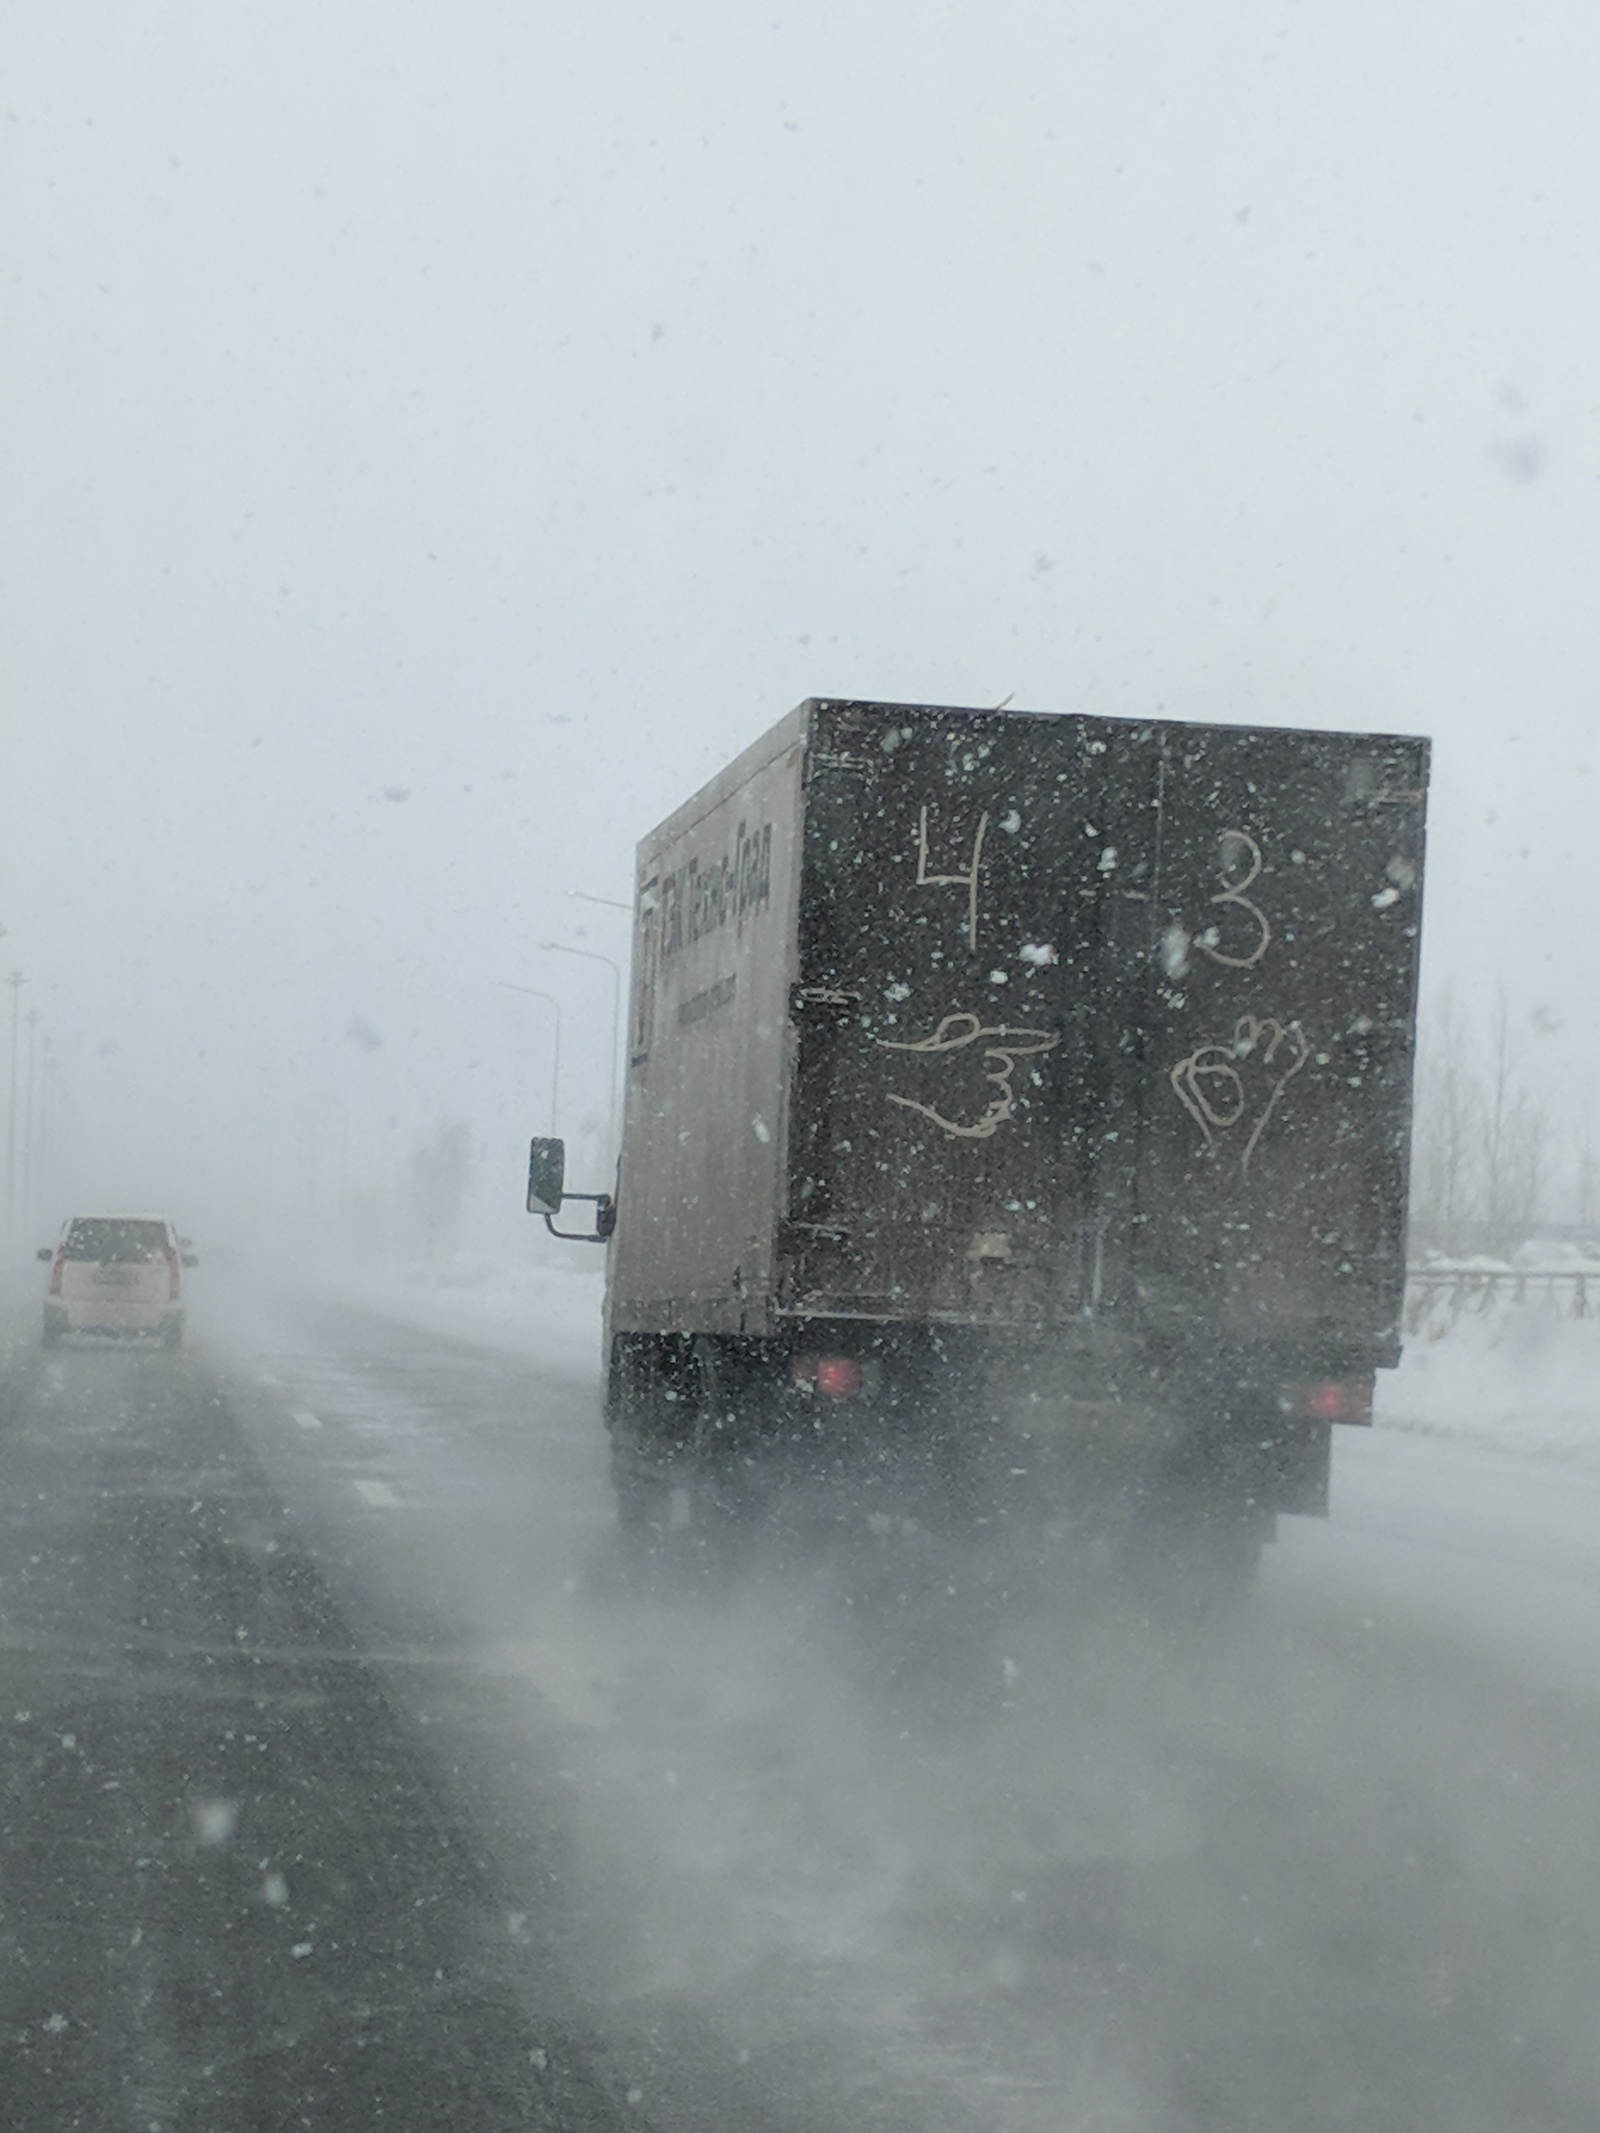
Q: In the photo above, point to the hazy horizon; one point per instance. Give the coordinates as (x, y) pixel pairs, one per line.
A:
(433, 446)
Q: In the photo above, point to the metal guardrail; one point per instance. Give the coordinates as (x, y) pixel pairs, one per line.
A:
(1493, 1240)
(1436, 1297)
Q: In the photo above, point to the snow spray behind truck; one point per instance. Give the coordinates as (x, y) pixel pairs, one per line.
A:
(1017, 1106)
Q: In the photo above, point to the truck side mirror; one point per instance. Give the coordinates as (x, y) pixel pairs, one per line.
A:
(45, 1251)
(547, 1171)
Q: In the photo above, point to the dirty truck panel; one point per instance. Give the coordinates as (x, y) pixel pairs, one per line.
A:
(1010, 1020)
(1038, 1082)
(708, 1049)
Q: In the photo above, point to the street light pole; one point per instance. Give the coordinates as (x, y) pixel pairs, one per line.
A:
(42, 1129)
(33, 1019)
(610, 902)
(16, 981)
(555, 1069)
(593, 955)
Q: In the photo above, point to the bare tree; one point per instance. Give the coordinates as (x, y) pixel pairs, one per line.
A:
(1448, 1138)
(1586, 1179)
(1481, 1153)
(1516, 1138)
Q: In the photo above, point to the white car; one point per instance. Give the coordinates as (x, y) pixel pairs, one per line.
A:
(116, 1274)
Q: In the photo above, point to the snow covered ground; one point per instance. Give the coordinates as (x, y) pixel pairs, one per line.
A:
(1481, 1366)
(1514, 1381)
(1496, 1356)
(549, 1313)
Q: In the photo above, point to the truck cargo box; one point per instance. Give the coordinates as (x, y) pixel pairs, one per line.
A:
(1007, 1020)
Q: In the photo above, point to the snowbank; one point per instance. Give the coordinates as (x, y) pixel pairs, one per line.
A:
(548, 1313)
(1487, 1366)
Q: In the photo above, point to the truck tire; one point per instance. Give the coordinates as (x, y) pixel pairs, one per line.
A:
(643, 1426)
(1200, 1552)
(1218, 1567)
(644, 1504)
(725, 1495)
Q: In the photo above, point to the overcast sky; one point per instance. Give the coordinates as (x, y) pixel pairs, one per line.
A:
(434, 439)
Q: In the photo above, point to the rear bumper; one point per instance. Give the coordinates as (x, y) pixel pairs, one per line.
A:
(129, 1322)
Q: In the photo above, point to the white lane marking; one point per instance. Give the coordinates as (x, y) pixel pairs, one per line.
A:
(305, 1418)
(377, 1493)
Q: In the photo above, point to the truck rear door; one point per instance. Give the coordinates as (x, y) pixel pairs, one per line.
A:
(951, 1074)
(1275, 1021)
(1100, 1019)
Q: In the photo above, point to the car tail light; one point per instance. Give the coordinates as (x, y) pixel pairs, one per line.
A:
(56, 1265)
(836, 1377)
(1334, 1399)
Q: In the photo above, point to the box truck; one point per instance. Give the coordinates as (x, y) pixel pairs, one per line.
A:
(1016, 1119)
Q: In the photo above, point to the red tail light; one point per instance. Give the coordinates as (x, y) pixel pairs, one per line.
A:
(56, 1265)
(1334, 1399)
(836, 1377)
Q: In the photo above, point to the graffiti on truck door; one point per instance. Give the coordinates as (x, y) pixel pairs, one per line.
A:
(1221, 1085)
(967, 880)
(1001, 1046)
(1239, 870)
(1231, 1085)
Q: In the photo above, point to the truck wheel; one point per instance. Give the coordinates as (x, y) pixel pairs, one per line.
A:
(1204, 1556)
(634, 1417)
(643, 1504)
(725, 1498)
(1221, 1566)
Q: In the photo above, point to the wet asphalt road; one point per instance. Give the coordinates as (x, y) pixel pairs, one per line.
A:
(350, 1777)
(231, 1892)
